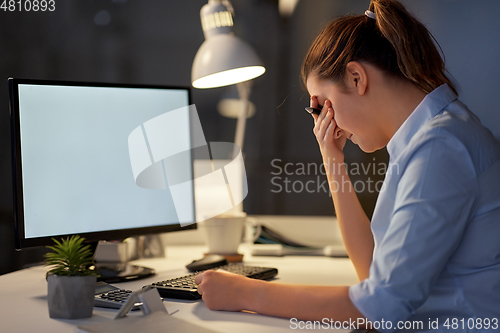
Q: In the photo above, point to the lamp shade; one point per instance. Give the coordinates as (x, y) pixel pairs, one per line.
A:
(224, 59)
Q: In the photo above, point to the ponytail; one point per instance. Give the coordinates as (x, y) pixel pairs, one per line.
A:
(395, 42)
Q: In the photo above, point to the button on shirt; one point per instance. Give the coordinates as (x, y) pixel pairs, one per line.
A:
(436, 224)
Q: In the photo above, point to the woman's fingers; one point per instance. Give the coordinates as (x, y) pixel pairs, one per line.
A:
(330, 130)
(198, 279)
(325, 123)
(318, 119)
(324, 109)
(325, 126)
(314, 102)
(324, 120)
(219, 289)
(330, 137)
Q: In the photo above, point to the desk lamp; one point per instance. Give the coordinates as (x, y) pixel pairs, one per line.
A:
(224, 59)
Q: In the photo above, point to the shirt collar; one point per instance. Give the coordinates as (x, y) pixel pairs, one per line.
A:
(430, 106)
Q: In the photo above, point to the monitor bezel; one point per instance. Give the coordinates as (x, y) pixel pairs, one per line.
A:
(21, 242)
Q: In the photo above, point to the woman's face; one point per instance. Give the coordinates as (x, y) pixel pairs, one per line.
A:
(351, 113)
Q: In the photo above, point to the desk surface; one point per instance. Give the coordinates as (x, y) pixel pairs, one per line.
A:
(23, 306)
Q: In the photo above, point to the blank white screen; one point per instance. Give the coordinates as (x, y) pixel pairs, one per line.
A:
(76, 169)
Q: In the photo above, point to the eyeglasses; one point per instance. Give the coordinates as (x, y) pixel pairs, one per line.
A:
(316, 111)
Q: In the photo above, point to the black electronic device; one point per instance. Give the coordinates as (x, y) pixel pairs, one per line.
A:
(79, 151)
(207, 262)
(109, 296)
(184, 287)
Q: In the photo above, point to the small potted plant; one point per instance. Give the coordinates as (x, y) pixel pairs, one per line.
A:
(71, 281)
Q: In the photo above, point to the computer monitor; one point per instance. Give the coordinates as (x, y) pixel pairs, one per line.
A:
(73, 173)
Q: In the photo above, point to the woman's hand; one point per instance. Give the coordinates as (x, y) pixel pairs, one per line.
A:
(331, 138)
(221, 290)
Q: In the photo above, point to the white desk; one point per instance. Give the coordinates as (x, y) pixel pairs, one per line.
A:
(23, 294)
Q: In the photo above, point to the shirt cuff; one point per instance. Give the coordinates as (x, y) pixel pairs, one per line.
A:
(379, 306)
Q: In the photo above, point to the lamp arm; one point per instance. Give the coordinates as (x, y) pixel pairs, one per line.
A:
(244, 89)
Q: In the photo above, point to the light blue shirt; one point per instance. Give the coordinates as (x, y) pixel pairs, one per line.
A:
(436, 224)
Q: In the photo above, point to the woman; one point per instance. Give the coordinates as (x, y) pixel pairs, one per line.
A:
(432, 249)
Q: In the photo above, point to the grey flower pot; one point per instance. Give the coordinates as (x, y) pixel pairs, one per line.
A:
(71, 297)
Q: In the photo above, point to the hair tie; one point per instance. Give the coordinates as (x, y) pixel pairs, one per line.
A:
(370, 14)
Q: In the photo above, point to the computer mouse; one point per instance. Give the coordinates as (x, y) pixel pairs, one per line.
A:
(210, 261)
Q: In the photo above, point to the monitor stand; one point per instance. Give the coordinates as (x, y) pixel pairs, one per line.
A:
(118, 270)
(121, 272)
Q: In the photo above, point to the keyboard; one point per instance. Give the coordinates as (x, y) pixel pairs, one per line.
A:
(185, 288)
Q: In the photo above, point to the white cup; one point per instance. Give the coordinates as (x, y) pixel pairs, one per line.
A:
(252, 230)
(223, 233)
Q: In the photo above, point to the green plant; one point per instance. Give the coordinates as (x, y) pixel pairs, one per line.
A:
(70, 258)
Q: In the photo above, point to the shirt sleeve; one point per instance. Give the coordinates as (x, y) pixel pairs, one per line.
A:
(434, 199)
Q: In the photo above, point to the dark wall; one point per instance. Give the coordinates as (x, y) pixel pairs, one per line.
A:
(154, 42)
(151, 42)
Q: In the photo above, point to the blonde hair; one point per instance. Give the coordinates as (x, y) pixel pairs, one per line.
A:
(395, 42)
